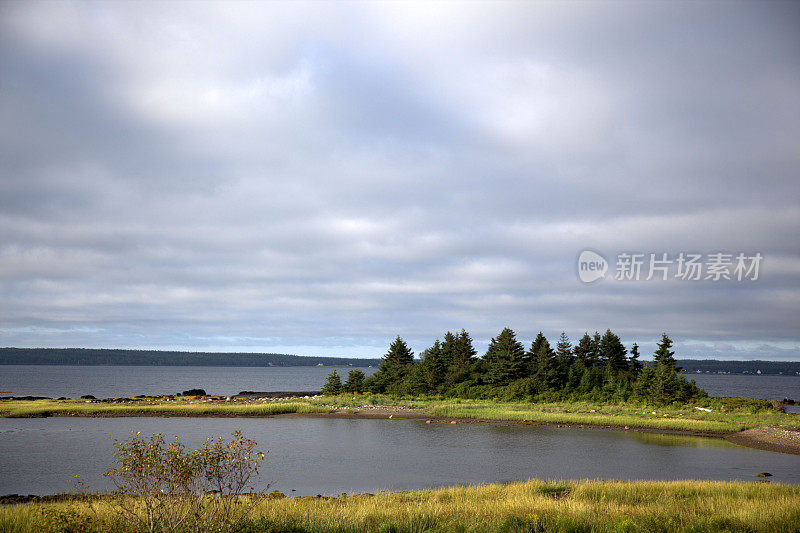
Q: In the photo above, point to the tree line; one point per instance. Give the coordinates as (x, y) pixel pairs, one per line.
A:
(598, 367)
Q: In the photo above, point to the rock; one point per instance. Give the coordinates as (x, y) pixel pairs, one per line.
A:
(764, 474)
(193, 392)
(88, 397)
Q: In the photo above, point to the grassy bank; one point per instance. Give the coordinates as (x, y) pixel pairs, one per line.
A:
(722, 414)
(39, 408)
(595, 506)
(713, 415)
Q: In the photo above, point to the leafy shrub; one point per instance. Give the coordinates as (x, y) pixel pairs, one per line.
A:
(167, 487)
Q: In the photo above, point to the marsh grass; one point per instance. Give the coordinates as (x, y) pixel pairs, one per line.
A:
(726, 415)
(39, 408)
(596, 506)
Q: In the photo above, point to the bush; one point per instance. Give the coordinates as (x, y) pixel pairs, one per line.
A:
(167, 487)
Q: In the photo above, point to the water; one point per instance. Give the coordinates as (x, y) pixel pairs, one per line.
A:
(115, 381)
(749, 386)
(330, 456)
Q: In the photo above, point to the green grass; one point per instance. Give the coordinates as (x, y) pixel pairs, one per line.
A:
(590, 506)
(726, 415)
(38, 408)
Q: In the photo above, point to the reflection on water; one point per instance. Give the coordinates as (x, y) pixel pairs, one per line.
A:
(658, 439)
(330, 455)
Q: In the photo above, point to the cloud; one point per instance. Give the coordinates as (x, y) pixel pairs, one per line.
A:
(320, 178)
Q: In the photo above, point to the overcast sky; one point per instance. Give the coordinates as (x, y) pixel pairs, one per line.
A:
(319, 178)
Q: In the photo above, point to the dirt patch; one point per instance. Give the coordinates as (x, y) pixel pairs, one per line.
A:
(773, 439)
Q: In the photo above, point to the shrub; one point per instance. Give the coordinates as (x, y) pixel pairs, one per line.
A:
(167, 487)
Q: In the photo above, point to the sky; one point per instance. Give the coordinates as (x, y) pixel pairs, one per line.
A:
(319, 178)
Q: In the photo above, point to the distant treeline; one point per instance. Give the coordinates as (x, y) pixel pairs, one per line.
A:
(101, 356)
(740, 367)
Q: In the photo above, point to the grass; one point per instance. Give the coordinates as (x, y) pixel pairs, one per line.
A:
(39, 408)
(596, 506)
(725, 415)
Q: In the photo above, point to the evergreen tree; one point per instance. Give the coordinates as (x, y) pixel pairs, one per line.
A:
(430, 369)
(664, 356)
(462, 359)
(449, 347)
(394, 367)
(333, 385)
(564, 347)
(465, 353)
(587, 349)
(505, 358)
(612, 351)
(635, 364)
(355, 381)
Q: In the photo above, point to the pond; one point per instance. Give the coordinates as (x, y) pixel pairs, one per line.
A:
(315, 455)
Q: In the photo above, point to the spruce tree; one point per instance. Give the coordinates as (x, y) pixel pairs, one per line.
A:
(333, 385)
(587, 349)
(635, 364)
(505, 358)
(355, 381)
(612, 351)
(564, 347)
(664, 356)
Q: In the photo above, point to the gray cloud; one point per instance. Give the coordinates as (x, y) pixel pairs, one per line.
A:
(318, 178)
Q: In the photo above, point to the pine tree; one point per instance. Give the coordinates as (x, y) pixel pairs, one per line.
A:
(397, 359)
(465, 353)
(449, 348)
(395, 366)
(505, 358)
(431, 369)
(612, 351)
(587, 349)
(564, 347)
(355, 381)
(664, 356)
(333, 385)
(635, 364)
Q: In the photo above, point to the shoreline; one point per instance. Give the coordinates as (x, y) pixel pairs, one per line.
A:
(772, 439)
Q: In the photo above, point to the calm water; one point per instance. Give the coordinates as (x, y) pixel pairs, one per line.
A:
(749, 386)
(116, 381)
(112, 381)
(330, 456)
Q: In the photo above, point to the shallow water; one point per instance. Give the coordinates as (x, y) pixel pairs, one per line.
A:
(330, 456)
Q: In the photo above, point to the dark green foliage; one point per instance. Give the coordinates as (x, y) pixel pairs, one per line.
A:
(587, 349)
(612, 352)
(596, 369)
(505, 358)
(663, 355)
(635, 365)
(395, 366)
(428, 374)
(333, 385)
(355, 381)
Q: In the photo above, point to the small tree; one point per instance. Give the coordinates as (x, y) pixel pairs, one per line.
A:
(664, 356)
(163, 487)
(635, 363)
(355, 381)
(333, 385)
